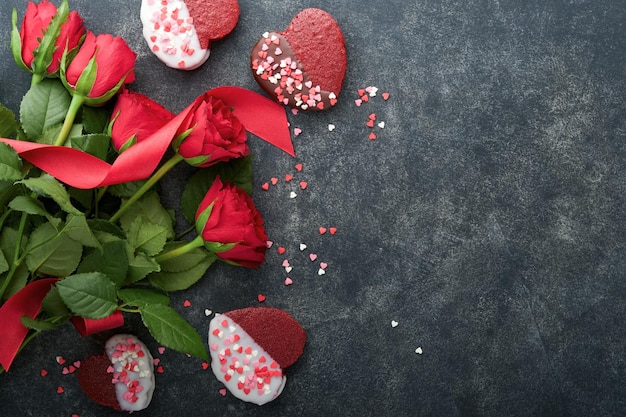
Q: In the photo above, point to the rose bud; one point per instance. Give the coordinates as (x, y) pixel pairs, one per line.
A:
(135, 117)
(40, 43)
(210, 134)
(231, 226)
(101, 67)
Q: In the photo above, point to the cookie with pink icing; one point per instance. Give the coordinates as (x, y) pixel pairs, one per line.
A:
(179, 32)
(122, 378)
(250, 349)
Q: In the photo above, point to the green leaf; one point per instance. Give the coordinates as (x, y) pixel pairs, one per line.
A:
(173, 331)
(112, 261)
(149, 207)
(146, 237)
(40, 325)
(96, 119)
(183, 271)
(53, 304)
(52, 253)
(237, 171)
(140, 297)
(48, 186)
(126, 189)
(4, 265)
(49, 136)
(78, 229)
(43, 106)
(91, 295)
(93, 144)
(10, 164)
(28, 205)
(140, 266)
(9, 125)
(103, 226)
(8, 239)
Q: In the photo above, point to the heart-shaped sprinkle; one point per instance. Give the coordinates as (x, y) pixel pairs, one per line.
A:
(358, 102)
(332, 230)
(419, 350)
(372, 136)
(269, 244)
(298, 167)
(321, 272)
(281, 250)
(297, 131)
(381, 125)
(288, 269)
(44, 372)
(331, 127)
(288, 281)
(222, 392)
(312, 257)
(60, 360)
(60, 390)
(187, 303)
(322, 230)
(274, 181)
(205, 365)
(292, 194)
(161, 349)
(372, 116)
(302, 246)
(323, 265)
(370, 123)
(285, 263)
(265, 186)
(260, 298)
(207, 312)
(303, 184)
(385, 96)
(288, 177)
(394, 323)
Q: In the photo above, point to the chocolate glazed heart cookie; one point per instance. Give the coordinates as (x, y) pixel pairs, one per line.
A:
(304, 66)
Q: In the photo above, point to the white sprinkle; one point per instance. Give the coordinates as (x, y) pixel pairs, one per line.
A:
(394, 323)
(331, 127)
(293, 195)
(419, 350)
(302, 246)
(321, 272)
(207, 312)
(381, 125)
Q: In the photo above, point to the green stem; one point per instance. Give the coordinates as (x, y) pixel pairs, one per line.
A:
(147, 186)
(75, 105)
(181, 250)
(36, 79)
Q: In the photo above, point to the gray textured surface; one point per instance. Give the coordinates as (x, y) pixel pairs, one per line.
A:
(488, 218)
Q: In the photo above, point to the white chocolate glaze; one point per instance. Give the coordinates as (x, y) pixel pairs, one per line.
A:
(170, 33)
(132, 371)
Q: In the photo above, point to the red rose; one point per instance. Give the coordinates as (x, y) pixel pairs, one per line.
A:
(36, 23)
(135, 117)
(231, 226)
(103, 64)
(210, 134)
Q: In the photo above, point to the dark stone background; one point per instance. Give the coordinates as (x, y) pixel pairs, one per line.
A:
(487, 219)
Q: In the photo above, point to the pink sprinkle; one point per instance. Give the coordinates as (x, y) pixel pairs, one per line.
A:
(312, 257)
(222, 392)
(358, 102)
(297, 131)
(323, 265)
(288, 281)
(161, 349)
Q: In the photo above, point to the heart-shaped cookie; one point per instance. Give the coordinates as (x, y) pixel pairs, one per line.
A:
(251, 347)
(179, 32)
(304, 66)
(123, 378)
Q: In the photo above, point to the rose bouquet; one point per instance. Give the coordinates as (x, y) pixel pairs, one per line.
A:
(83, 234)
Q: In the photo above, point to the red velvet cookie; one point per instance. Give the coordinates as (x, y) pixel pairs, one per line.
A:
(304, 66)
(123, 378)
(179, 32)
(251, 347)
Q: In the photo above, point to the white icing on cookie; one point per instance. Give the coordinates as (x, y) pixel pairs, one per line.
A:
(171, 36)
(132, 371)
(244, 367)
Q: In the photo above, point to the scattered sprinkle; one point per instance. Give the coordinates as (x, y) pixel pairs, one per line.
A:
(372, 136)
(293, 195)
(333, 230)
(260, 298)
(265, 186)
(43, 372)
(381, 125)
(60, 360)
(394, 323)
(385, 96)
(207, 312)
(269, 244)
(298, 167)
(161, 349)
(281, 250)
(358, 102)
(160, 369)
(322, 230)
(331, 127)
(303, 185)
(274, 181)
(60, 390)
(187, 303)
(302, 246)
(288, 281)
(222, 392)
(321, 272)
(297, 131)
(419, 350)
(288, 177)
(312, 257)
(323, 265)
(205, 365)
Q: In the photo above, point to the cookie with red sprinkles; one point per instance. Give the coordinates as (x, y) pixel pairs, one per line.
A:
(251, 347)
(180, 32)
(304, 66)
(122, 378)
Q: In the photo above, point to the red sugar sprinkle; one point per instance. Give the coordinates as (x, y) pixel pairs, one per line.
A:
(372, 136)
(298, 167)
(60, 360)
(205, 365)
(44, 372)
(265, 186)
(385, 96)
(60, 390)
(303, 184)
(274, 180)
(288, 177)
(187, 303)
(222, 392)
(281, 250)
(160, 369)
(260, 298)
(333, 230)
(323, 230)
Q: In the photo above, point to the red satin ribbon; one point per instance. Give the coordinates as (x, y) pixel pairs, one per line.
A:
(25, 302)
(87, 327)
(259, 115)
